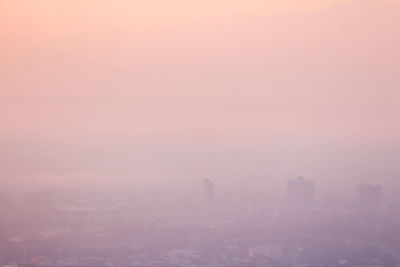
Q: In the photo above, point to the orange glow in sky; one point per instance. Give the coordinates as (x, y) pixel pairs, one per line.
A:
(253, 73)
(141, 15)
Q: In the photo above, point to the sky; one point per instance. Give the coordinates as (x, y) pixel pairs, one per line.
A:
(51, 16)
(181, 90)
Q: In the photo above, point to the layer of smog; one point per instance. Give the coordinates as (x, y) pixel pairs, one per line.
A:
(177, 133)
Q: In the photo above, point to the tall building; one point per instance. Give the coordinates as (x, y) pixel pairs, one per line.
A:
(369, 197)
(300, 192)
(208, 188)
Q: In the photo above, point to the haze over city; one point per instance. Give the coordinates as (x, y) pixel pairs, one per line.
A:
(185, 100)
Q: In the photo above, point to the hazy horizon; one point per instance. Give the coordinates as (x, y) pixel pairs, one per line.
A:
(213, 133)
(250, 94)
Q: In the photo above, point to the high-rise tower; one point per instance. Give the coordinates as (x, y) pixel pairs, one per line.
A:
(208, 188)
(369, 197)
(300, 192)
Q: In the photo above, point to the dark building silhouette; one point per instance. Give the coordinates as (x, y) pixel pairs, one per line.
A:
(208, 188)
(300, 192)
(369, 197)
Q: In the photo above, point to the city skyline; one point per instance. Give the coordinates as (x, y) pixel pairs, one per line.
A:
(214, 133)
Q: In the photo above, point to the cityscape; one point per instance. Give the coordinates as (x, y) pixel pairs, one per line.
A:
(199, 133)
(176, 228)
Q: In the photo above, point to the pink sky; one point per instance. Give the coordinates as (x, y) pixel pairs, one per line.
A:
(224, 72)
(61, 15)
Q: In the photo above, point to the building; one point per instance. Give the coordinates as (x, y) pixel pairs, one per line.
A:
(369, 197)
(300, 192)
(208, 189)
